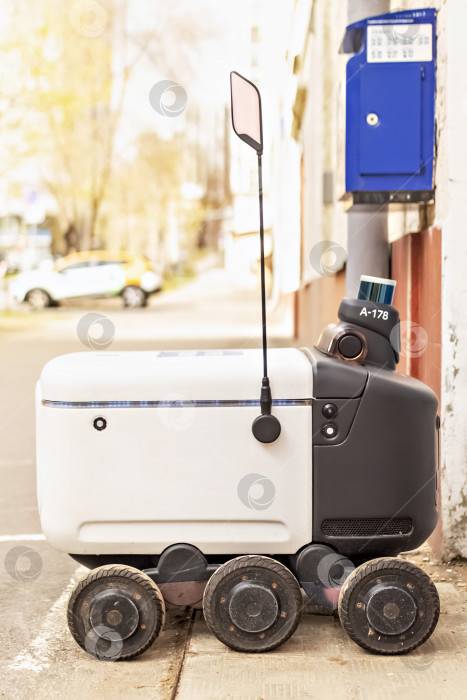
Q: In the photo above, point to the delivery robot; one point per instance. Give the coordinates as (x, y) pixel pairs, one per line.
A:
(166, 475)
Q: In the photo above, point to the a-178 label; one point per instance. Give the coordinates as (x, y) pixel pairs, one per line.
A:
(376, 313)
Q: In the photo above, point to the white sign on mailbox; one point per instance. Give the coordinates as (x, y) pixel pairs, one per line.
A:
(399, 43)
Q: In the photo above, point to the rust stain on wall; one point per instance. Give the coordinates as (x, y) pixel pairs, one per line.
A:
(416, 265)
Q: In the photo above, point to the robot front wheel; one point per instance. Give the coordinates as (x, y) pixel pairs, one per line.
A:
(116, 612)
(389, 606)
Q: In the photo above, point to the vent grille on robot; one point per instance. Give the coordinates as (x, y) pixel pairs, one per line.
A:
(366, 527)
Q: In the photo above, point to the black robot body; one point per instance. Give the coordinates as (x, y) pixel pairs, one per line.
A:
(375, 438)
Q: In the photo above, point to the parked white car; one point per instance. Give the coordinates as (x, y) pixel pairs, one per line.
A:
(88, 274)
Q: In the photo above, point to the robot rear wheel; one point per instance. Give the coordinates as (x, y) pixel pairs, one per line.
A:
(252, 604)
(389, 606)
(116, 612)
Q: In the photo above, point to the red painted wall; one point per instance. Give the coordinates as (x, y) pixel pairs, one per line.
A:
(416, 265)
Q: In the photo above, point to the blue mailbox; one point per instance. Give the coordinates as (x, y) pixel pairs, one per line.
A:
(390, 107)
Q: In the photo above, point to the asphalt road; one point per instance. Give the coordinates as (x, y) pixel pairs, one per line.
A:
(39, 659)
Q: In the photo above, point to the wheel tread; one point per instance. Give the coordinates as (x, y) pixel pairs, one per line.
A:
(382, 564)
(122, 571)
(233, 565)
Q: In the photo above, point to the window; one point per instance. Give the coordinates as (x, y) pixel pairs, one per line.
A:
(101, 263)
(75, 266)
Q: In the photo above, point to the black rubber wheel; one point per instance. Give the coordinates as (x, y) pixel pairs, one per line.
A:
(389, 606)
(39, 299)
(134, 296)
(252, 604)
(116, 612)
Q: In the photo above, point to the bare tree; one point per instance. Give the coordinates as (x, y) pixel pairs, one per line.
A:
(77, 61)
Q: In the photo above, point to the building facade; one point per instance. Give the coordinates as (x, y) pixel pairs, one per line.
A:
(327, 245)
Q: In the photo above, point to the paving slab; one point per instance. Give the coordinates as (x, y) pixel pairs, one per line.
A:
(321, 662)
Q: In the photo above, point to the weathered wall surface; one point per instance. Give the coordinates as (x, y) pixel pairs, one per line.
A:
(429, 243)
(416, 265)
(450, 214)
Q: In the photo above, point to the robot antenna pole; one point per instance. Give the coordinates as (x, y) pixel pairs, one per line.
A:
(266, 427)
(263, 282)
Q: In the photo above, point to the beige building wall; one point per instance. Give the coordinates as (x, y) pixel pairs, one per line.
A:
(316, 69)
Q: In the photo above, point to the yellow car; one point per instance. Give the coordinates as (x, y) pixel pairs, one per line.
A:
(96, 273)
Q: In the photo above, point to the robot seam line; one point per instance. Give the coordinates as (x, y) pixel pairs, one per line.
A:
(172, 404)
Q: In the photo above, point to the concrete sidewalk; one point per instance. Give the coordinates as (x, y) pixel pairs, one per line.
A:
(321, 662)
(188, 663)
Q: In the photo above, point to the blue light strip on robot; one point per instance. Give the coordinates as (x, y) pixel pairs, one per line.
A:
(215, 403)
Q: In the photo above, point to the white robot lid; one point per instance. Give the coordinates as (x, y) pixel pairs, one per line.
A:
(172, 375)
